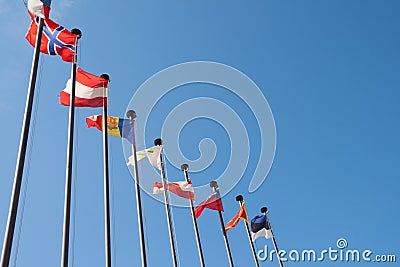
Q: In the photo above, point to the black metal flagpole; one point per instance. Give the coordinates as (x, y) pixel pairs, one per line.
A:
(265, 211)
(12, 214)
(215, 188)
(239, 198)
(185, 168)
(107, 231)
(158, 142)
(132, 115)
(68, 178)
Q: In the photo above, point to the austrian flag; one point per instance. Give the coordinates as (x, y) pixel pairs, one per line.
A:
(90, 90)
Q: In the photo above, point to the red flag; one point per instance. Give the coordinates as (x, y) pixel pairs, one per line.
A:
(56, 40)
(90, 90)
(182, 189)
(235, 220)
(212, 202)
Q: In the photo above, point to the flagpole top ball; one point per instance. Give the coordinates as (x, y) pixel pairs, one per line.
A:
(264, 210)
(239, 198)
(131, 114)
(105, 76)
(158, 142)
(213, 184)
(184, 167)
(77, 32)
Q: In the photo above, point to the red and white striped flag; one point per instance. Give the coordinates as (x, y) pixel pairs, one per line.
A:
(182, 189)
(90, 91)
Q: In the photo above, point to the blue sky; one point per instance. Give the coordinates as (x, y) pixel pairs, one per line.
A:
(328, 69)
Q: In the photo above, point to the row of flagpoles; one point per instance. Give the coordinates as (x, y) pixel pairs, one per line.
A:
(260, 225)
(82, 90)
(87, 90)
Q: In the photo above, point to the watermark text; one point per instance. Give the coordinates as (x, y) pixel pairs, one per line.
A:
(339, 253)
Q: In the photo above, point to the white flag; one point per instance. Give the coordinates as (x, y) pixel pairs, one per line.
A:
(263, 232)
(152, 153)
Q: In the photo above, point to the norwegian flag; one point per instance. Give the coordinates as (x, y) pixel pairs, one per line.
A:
(56, 40)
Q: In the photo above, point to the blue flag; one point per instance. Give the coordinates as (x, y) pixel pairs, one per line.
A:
(259, 222)
(260, 227)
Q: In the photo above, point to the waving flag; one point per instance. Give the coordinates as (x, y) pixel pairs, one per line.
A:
(259, 222)
(260, 227)
(56, 40)
(90, 90)
(115, 126)
(182, 189)
(40, 8)
(152, 153)
(267, 233)
(235, 220)
(212, 202)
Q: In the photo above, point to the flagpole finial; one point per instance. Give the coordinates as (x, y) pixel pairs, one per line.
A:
(131, 114)
(77, 32)
(239, 198)
(214, 184)
(105, 76)
(158, 142)
(184, 167)
(264, 210)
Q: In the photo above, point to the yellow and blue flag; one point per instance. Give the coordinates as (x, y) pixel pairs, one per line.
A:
(115, 126)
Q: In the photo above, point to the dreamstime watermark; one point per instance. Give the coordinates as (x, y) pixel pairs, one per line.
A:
(338, 253)
(173, 98)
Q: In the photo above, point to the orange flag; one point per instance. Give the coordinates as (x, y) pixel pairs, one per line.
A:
(240, 215)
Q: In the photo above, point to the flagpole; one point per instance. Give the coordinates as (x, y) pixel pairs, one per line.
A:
(215, 188)
(239, 198)
(132, 115)
(107, 231)
(13, 210)
(68, 178)
(265, 211)
(185, 168)
(158, 142)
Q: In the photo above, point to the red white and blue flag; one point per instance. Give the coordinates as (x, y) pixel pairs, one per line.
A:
(56, 40)
(40, 8)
